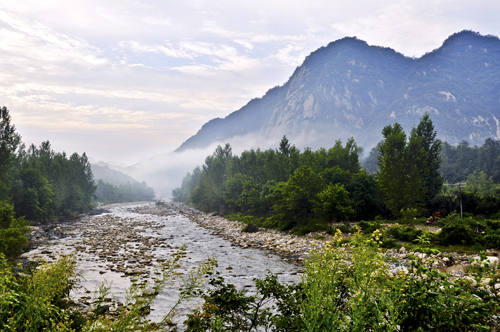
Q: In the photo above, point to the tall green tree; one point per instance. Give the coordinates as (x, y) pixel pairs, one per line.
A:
(333, 203)
(402, 169)
(34, 197)
(432, 148)
(299, 196)
(208, 194)
(9, 142)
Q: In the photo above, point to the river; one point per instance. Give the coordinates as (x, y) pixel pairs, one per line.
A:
(119, 245)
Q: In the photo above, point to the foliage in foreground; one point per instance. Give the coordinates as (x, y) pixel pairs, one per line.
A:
(41, 302)
(12, 231)
(344, 287)
(350, 288)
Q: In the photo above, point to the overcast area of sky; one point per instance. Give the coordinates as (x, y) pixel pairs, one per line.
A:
(126, 80)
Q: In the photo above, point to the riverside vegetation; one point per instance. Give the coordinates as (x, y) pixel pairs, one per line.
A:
(346, 285)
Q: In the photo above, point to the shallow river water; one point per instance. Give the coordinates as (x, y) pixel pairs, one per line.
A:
(119, 245)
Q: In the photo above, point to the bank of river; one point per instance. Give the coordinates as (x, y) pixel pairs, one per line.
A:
(131, 240)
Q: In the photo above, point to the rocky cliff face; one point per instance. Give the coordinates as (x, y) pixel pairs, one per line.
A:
(349, 88)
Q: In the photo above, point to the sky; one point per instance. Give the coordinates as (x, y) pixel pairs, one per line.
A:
(127, 80)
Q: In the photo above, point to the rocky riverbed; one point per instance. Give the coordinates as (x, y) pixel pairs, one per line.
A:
(296, 248)
(126, 242)
(121, 245)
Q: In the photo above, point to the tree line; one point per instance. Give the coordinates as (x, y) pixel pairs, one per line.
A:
(285, 188)
(129, 192)
(37, 184)
(459, 163)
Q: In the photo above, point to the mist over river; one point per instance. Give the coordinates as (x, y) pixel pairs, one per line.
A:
(122, 244)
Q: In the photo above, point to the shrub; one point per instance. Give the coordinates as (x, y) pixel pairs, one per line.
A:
(492, 224)
(12, 231)
(467, 231)
(40, 302)
(404, 233)
(250, 228)
(349, 287)
(346, 228)
(275, 306)
(368, 226)
(409, 215)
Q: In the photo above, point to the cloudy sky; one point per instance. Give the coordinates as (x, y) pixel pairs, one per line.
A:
(126, 80)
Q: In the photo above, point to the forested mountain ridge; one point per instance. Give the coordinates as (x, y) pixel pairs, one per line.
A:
(111, 176)
(114, 186)
(349, 88)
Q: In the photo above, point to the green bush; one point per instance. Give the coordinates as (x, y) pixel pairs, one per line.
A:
(39, 302)
(390, 244)
(369, 226)
(491, 240)
(229, 309)
(350, 288)
(12, 231)
(345, 229)
(493, 224)
(409, 215)
(404, 233)
(467, 231)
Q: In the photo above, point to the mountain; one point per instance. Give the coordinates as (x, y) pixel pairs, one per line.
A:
(103, 172)
(350, 88)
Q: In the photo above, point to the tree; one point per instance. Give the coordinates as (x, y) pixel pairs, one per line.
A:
(347, 158)
(9, 142)
(208, 194)
(288, 159)
(35, 197)
(333, 203)
(12, 231)
(365, 194)
(402, 169)
(298, 196)
(432, 148)
(233, 191)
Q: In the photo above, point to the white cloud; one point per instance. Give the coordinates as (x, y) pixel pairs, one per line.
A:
(152, 72)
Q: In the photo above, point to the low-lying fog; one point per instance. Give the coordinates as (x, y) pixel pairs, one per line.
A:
(165, 172)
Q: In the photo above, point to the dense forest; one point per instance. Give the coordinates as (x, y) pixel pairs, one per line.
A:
(129, 192)
(460, 163)
(37, 184)
(285, 188)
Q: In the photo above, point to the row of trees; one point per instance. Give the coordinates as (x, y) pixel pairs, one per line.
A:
(289, 188)
(459, 163)
(293, 187)
(130, 192)
(408, 174)
(40, 183)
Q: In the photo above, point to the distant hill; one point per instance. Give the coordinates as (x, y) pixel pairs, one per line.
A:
(111, 176)
(349, 88)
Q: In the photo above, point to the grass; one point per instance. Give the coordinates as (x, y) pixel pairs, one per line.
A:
(389, 242)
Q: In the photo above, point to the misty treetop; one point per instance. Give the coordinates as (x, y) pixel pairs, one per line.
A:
(130, 192)
(285, 188)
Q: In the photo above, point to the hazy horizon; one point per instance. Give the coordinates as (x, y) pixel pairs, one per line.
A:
(125, 81)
